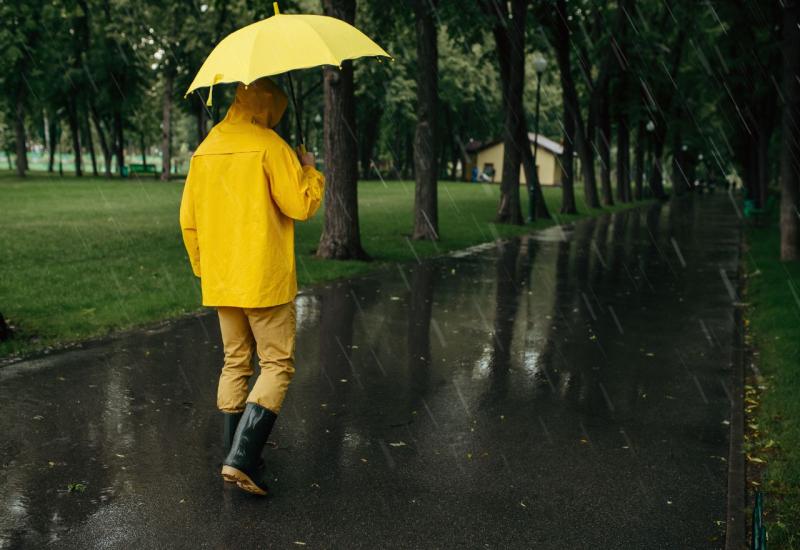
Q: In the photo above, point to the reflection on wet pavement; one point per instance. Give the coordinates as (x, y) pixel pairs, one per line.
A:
(567, 389)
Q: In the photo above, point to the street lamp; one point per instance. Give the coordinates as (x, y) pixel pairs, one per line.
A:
(539, 64)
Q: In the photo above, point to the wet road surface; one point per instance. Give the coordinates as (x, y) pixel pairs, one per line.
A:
(567, 389)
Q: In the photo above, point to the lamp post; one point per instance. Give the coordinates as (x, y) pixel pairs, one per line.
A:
(651, 126)
(539, 64)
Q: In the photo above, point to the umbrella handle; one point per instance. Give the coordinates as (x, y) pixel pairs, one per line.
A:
(296, 112)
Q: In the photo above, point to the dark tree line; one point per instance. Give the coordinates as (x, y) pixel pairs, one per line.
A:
(647, 97)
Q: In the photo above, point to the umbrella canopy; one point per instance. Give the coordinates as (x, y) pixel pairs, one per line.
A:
(280, 44)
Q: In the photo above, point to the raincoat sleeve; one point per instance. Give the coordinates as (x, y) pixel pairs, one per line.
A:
(296, 189)
(189, 226)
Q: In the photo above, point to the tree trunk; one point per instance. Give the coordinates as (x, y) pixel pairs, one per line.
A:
(679, 183)
(639, 160)
(426, 213)
(604, 146)
(166, 126)
(19, 134)
(582, 143)
(463, 156)
(340, 238)
(74, 130)
(52, 142)
(541, 211)
(104, 146)
(790, 145)
(656, 180)
(119, 141)
(568, 165)
(623, 160)
(5, 330)
(369, 137)
(765, 126)
(509, 34)
(201, 123)
(87, 130)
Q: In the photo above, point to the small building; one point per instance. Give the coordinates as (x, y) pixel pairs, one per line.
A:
(487, 158)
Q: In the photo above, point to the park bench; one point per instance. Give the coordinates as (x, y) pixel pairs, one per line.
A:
(139, 169)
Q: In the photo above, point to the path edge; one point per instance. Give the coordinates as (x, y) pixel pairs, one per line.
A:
(736, 520)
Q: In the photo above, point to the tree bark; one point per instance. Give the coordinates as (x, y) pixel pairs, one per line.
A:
(426, 212)
(463, 157)
(74, 130)
(790, 145)
(656, 180)
(52, 142)
(568, 165)
(764, 134)
(5, 330)
(201, 122)
(19, 134)
(639, 160)
(509, 34)
(104, 146)
(166, 125)
(623, 158)
(341, 237)
(87, 130)
(582, 143)
(119, 140)
(604, 145)
(541, 211)
(369, 137)
(679, 183)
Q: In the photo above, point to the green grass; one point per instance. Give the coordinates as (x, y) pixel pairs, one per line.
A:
(773, 292)
(82, 257)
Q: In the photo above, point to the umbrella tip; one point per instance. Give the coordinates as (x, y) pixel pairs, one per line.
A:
(275, 7)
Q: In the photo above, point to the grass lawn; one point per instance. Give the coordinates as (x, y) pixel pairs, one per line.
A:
(773, 292)
(82, 257)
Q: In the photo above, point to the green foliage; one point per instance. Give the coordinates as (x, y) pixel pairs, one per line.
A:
(773, 294)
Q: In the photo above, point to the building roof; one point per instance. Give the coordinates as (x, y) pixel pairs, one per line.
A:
(546, 143)
(543, 141)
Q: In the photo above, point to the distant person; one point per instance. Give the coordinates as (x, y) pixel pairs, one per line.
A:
(244, 191)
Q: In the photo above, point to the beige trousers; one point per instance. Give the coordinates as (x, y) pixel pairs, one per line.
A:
(271, 332)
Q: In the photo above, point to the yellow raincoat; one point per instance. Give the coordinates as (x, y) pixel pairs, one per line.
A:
(244, 190)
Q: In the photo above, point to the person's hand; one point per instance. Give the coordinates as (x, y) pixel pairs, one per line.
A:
(306, 158)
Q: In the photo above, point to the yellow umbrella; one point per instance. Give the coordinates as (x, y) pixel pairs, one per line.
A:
(280, 44)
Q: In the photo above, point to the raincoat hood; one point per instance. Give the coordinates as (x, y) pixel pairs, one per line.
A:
(261, 103)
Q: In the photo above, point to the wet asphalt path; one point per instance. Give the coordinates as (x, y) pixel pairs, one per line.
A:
(563, 390)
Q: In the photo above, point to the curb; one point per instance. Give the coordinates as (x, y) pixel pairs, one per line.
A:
(736, 520)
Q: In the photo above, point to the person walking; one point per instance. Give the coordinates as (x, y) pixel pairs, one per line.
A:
(245, 189)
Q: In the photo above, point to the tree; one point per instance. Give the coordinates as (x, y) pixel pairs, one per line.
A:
(790, 145)
(559, 25)
(508, 29)
(340, 238)
(20, 32)
(568, 164)
(426, 212)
